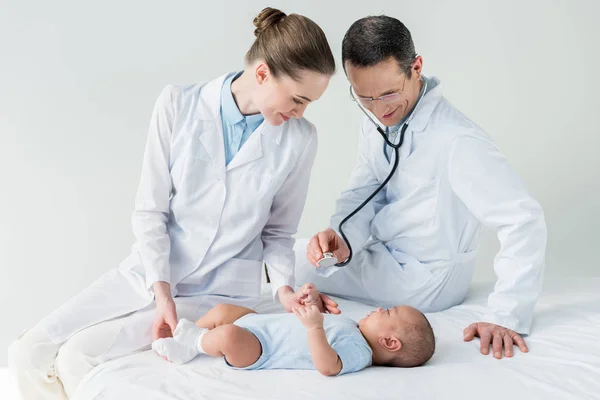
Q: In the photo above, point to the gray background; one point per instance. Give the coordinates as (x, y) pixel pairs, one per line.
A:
(78, 82)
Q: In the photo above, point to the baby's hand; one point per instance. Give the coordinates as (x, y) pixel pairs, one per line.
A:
(309, 296)
(310, 317)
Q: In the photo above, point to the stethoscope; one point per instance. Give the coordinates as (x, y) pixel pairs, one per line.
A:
(328, 259)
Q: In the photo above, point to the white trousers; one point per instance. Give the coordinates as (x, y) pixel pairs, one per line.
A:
(53, 371)
(376, 278)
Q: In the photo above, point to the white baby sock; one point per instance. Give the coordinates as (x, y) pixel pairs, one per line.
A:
(184, 345)
(189, 334)
(174, 351)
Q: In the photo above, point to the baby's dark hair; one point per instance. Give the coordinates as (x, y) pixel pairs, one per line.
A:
(418, 344)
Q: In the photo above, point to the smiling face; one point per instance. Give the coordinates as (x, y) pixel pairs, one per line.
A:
(387, 79)
(280, 98)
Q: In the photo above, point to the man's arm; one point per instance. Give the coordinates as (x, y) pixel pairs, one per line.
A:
(481, 177)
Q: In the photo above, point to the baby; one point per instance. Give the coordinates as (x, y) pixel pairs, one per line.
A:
(332, 344)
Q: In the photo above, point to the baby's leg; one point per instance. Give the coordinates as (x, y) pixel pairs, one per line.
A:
(238, 345)
(184, 345)
(222, 314)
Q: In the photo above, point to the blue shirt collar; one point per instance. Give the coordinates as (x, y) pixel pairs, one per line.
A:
(229, 109)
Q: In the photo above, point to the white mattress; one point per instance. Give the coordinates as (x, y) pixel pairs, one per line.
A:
(563, 363)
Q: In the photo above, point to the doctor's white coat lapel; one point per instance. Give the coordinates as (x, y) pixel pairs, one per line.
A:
(210, 129)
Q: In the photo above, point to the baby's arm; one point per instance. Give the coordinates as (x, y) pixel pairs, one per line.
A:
(324, 357)
(222, 314)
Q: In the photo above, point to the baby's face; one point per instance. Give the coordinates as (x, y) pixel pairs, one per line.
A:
(382, 321)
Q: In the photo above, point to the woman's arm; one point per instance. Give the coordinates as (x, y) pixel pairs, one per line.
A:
(287, 207)
(151, 213)
(152, 201)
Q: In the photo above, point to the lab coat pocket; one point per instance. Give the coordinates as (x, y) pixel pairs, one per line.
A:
(258, 180)
(410, 180)
(413, 271)
(417, 197)
(255, 192)
(197, 175)
(391, 276)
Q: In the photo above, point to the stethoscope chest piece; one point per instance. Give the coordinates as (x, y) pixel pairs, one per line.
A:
(328, 260)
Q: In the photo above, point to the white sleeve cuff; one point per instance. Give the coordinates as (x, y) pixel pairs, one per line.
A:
(278, 280)
(153, 277)
(508, 322)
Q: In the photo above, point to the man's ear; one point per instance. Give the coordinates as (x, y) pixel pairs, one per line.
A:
(418, 65)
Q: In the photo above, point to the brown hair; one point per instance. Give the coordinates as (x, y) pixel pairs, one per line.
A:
(290, 44)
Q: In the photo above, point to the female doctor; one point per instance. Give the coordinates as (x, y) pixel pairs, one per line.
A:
(224, 182)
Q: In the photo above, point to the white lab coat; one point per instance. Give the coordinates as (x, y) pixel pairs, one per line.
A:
(200, 225)
(416, 241)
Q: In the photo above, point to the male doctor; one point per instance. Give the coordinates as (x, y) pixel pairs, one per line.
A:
(415, 243)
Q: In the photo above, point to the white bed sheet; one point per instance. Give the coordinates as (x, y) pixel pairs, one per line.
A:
(8, 389)
(563, 362)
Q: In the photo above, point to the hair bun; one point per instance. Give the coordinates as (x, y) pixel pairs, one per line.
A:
(267, 18)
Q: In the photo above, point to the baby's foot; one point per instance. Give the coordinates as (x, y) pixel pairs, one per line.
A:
(183, 346)
(172, 350)
(188, 333)
(311, 296)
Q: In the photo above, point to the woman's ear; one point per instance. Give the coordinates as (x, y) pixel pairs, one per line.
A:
(262, 73)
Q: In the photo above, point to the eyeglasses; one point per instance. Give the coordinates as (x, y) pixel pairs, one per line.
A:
(386, 99)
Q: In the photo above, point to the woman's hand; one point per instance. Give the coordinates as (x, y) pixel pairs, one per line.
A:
(290, 300)
(165, 321)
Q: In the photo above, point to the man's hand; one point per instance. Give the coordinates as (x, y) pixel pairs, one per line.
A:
(310, 317)
(330, 305)
(326, 241)
(495, 335)
(165, 321)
